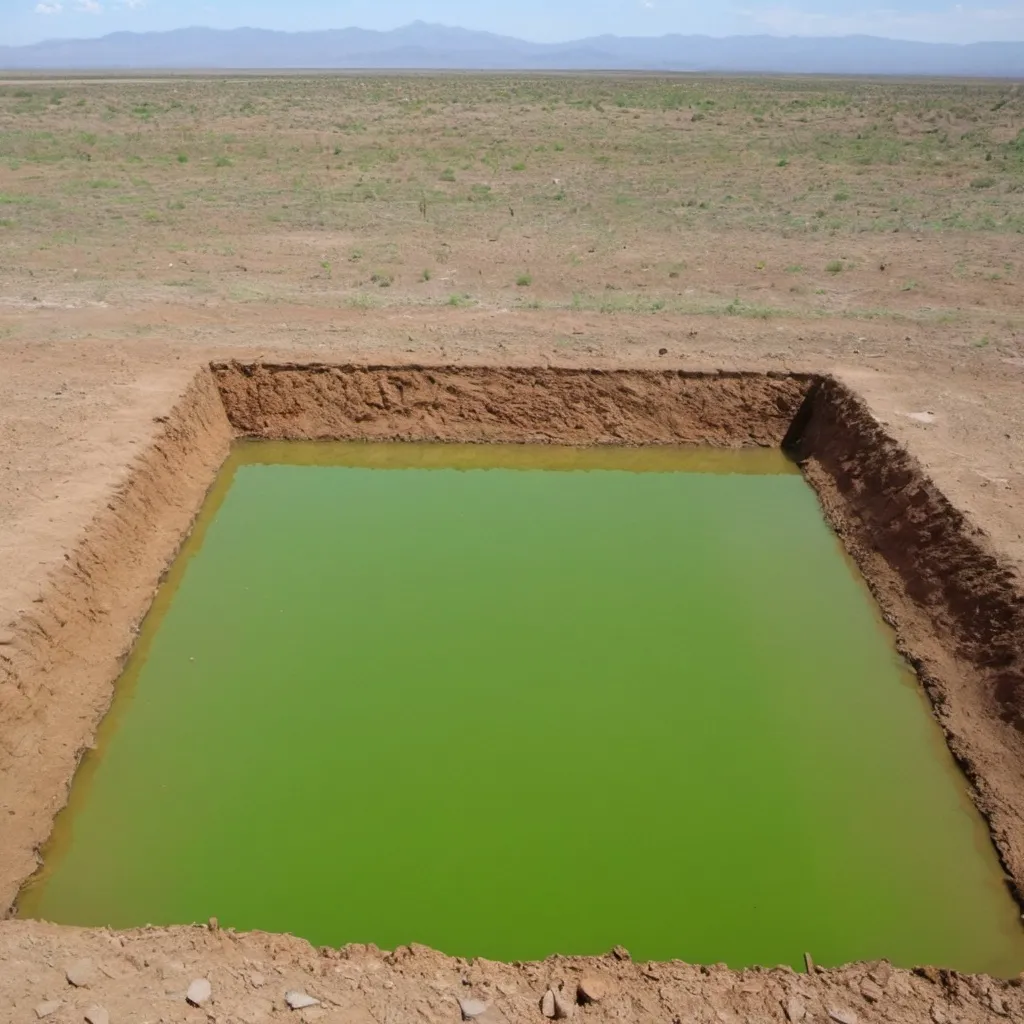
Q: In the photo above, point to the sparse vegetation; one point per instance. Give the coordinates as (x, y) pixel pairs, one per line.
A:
(587, 180)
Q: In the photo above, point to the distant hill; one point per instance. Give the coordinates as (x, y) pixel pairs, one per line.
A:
(424, 46)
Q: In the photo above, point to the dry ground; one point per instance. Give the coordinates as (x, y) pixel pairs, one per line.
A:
(864, 227)
(852, 202)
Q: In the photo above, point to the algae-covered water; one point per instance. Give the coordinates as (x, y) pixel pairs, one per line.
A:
(510, 701)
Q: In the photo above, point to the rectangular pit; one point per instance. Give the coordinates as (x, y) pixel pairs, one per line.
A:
(955, 607)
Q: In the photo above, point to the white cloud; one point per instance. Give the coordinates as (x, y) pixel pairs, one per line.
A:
(45, 8)
(89, 7)
(134, 5)
(958, 23)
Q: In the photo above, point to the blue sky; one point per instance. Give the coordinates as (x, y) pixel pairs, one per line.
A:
(23, 21)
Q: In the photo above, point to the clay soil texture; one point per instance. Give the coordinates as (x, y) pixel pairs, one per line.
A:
(832, 266)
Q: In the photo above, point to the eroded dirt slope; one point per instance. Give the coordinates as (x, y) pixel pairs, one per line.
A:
(144, 975)
(452, 403)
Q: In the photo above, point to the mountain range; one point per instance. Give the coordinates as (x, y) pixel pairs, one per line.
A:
(423, 46)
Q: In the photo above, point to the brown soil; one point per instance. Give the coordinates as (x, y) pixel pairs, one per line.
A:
(143, 975)
(563, 406)
(957, 607)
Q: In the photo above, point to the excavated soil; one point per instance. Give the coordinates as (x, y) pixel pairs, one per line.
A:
(561, 406)
(143, 975)
(59, 662)
(957, 606)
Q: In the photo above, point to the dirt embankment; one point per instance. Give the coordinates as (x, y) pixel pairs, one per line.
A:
(143, 975)
(59, 662)
(448, 403)
(957, 607)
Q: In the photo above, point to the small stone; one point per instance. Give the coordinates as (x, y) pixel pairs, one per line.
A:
(472, 1008)
(870, 991)
(299, 1000)
(97, 1015)
(81, 974)
(257, 980)
(795, 1010)
(213, 924)
(563, 1008)
(842, 1016)
(881, 973)
(939, 1013)
(198, 992)
(998, 1004)
(929, 973)
(621, 953)
(547, 1004)
(45, 1009)
(591, 989)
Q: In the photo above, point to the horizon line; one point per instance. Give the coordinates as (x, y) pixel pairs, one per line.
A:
(499, 35)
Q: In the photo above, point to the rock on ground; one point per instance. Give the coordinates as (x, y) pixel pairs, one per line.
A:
(563, 1007)
(547, 1004)
(843, 1016)
(472, 1008)
(871, 991)
(199, 992)
(297, 1000)
(591, 989)
(81, 973)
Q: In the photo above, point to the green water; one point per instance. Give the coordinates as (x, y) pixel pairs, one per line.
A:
(508, 701)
